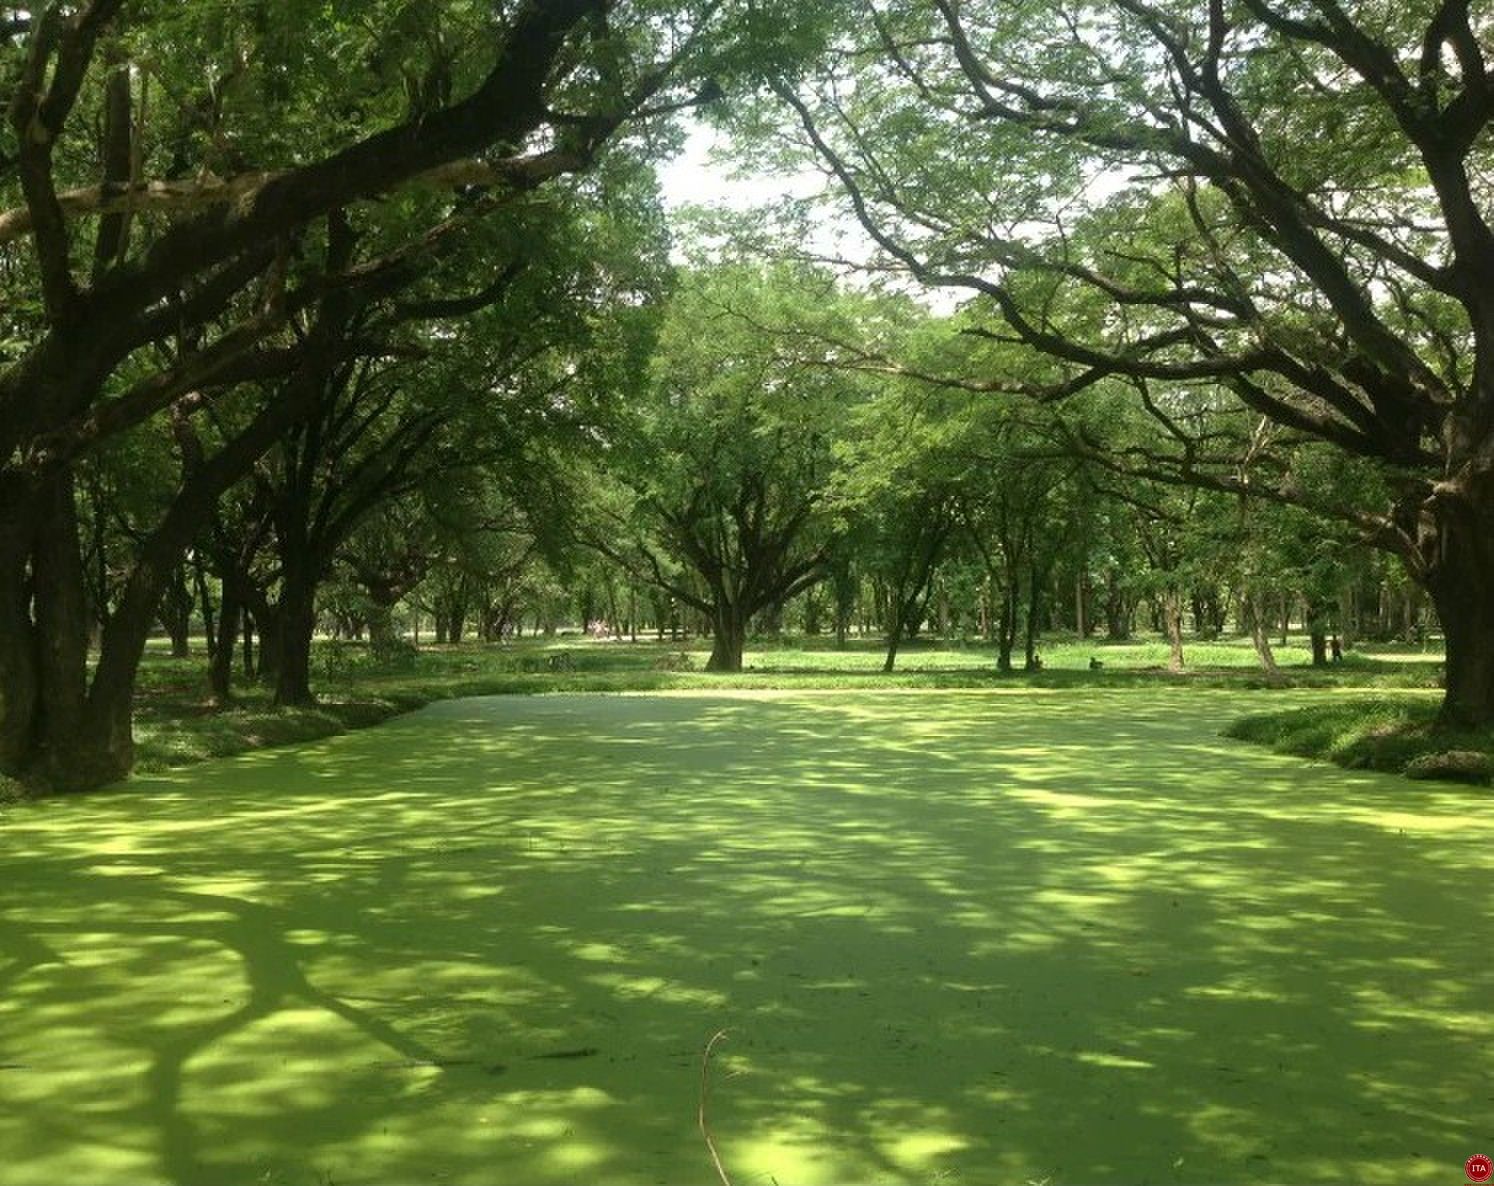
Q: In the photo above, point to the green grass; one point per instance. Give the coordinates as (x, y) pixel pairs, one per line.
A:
(1393, 734)
(174, 725)
(1013, 936)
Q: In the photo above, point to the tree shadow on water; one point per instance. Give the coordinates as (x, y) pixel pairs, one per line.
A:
(955, 938)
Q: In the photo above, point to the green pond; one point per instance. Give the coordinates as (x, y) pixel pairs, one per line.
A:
(953, 938)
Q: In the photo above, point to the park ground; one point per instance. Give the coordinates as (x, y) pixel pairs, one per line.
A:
(1013, 934)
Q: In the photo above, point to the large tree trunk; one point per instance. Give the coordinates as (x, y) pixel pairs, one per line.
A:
(1036, 580)
(205, 602)
(1461, 583)
(382, 638)
(894, 640)
(19, 677)
(52, 735)
(108, 748)
(1117, 614)
(1319, 617)
(20, 685)
(295, 620)
(728, 637)
(176, 612)
(844, 588)
(67, 732)
(1006, 629)
(1319, 640)
(58, 730)
(267, 630)
(1171, 607)
(1255, 612)
(60, 607)
(220, 666)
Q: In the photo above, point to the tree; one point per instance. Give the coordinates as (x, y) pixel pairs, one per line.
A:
(728, 455)
(501, 372)
(1282, 200)
(899, 484)
(1016, 508)
(245, 199)
(908, 543)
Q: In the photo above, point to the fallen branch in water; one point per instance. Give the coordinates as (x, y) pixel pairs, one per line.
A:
(705, 1096)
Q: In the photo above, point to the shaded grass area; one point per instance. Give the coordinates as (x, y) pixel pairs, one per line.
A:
(964, 938)
(175, 726)
(1399, 735)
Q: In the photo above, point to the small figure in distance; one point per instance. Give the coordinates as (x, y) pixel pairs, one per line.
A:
(1337, 649)
(1095, 664)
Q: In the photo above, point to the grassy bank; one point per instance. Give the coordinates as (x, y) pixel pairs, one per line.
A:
(176, 725)
(1395, 734)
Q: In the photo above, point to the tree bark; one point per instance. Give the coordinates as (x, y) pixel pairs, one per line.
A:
(1172, 621)
(1348, 614)
(60, 606)
(205, 602)
(1006, 629)
(1319, 615)
(220, 667)
(1035, 582)
(1255, 612)
(1319, 639)
(56, 731)
(1117, 615)
(381, 636)
(894, 640)
(295, 622)
(728, 637)
(19, 658)
(1461, 584)
(176, 613)
(844, 588)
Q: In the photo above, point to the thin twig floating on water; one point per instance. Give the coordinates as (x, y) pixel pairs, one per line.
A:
(705, 1095)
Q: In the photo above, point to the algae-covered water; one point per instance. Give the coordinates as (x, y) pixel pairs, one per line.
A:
(955, 938)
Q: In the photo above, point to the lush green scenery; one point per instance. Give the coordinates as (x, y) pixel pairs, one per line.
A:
(751, 591)
(1009, 936)
(175, 726)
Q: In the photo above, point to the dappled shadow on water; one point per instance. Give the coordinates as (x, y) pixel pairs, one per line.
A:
(956, 938)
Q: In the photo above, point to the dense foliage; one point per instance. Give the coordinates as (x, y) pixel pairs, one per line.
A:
(346, 319)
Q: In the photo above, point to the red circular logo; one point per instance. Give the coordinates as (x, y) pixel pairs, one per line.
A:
(1478, 1168)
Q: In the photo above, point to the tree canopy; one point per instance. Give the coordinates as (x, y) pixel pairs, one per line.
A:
(313, 311)
(1284, 203)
